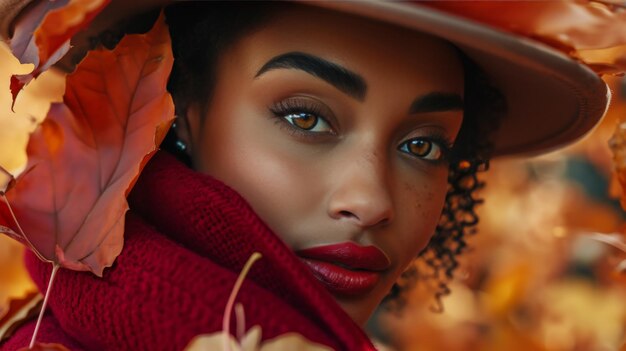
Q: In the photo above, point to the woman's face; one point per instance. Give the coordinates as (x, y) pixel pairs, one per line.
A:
(335, 129)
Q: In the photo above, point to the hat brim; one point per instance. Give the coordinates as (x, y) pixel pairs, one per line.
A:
(552, 99)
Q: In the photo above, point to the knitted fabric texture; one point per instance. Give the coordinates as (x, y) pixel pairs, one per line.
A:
(187, 238)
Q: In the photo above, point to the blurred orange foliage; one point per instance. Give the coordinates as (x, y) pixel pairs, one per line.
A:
(534, 279)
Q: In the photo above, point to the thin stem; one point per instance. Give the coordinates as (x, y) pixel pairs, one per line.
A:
(233, 295)
(240, 320)
(19, 227)
(55, 269)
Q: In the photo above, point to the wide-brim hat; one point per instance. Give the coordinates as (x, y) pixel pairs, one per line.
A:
(553, 100)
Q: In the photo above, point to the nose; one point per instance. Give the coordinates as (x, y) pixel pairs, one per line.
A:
(361, 193)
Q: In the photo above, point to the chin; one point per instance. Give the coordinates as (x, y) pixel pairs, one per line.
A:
(360, 309)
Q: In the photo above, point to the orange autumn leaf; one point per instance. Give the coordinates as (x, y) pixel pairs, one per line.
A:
(7, 181)
(85, 157)
(17, 311)
(22, 43)
(42, 36)
(580, 29)
(61, 24)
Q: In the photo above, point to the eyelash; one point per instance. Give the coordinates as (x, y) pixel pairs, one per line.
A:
(286, 107)
(438, 138)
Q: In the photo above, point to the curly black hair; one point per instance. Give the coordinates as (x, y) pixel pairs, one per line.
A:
(484, 107)
(200, 31)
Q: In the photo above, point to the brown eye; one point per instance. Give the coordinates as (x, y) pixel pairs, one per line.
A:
(308, 121)
(304, 121)
(422, 148)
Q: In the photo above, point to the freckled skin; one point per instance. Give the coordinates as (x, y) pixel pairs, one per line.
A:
(354, 185)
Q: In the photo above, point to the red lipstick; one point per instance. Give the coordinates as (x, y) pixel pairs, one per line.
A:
(346, 268)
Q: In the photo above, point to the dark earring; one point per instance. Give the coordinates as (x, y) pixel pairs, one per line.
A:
(180, 145)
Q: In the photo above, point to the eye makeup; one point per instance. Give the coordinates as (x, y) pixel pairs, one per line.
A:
(438, 148)
(287, 112)
(303, 117)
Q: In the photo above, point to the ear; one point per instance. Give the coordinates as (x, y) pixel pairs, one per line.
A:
(188, 127)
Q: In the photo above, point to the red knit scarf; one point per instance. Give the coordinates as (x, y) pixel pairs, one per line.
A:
(187, 238)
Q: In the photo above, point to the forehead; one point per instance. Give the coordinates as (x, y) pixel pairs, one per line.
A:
(381, 53)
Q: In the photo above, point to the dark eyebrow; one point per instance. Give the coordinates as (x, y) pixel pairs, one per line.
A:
(436, 102)
(340, 77)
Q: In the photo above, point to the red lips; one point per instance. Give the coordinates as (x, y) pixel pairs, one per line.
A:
(346, 268)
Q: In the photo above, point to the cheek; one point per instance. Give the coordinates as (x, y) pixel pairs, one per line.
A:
(419, 213)
(250, 155)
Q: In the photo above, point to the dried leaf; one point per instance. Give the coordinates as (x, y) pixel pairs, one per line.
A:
(62, 24)
(19, 311)
(42, 36)
(570, 26)
(90, 150)
(217, 341)
(291, 341)
(6, 181)
(23, 43)
(610, 61)
(12, 234)
(251, 342)
(580, 25)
